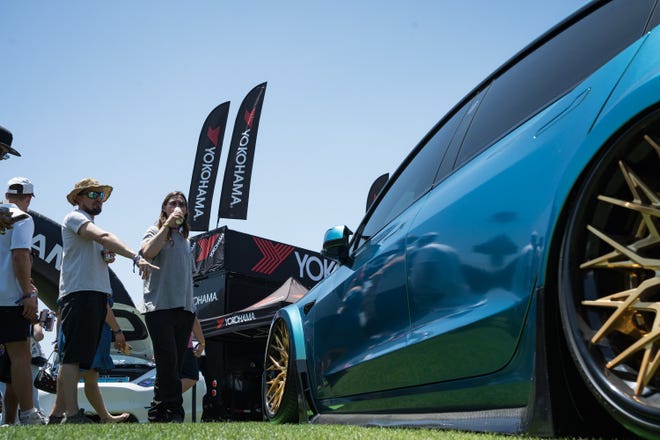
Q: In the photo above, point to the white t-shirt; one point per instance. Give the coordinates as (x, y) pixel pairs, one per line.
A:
(19, 237)
(83, 267)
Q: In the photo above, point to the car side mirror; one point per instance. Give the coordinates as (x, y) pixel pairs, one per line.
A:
(335, 244)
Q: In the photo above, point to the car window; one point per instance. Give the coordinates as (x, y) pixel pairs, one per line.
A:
(552, 69)
(415, 179)
(447, 165)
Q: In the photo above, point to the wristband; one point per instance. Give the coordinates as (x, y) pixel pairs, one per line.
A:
(29, 295)
(136, 258)
(116, 332)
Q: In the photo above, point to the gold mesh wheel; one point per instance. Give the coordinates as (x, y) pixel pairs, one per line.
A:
(609, 285)
(276, 367)
(633, 310)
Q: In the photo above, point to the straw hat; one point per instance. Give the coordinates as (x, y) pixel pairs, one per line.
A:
(88, 183)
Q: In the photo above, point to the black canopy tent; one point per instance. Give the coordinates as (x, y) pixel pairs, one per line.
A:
(253, 322)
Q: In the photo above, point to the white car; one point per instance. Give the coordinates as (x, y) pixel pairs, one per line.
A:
(129, 386)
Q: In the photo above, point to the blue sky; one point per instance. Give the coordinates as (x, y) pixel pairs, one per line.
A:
(119, 91)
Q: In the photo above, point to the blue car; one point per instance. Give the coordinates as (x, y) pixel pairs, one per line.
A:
(506, 277)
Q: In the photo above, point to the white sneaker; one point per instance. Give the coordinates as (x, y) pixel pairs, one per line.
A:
(32, 417)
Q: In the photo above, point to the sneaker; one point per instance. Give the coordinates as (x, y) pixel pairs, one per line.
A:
(157, 413)
(55, 420)
(165, 412)
(32, 417)
(175, 414)
(77, 418)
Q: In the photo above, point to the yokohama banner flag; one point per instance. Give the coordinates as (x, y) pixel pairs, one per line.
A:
(205, 171)
(376, 187)
(236, 183)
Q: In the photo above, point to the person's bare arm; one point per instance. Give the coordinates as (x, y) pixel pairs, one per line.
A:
(111, 320)
(37, 332)
(111, 242)
(153, 246)
(199, 335)
(22, 267)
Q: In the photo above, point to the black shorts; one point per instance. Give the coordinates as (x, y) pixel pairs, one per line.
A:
(189, 366)
(82, 317)
(13, 326)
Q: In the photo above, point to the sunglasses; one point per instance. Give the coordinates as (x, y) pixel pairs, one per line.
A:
(93, 194)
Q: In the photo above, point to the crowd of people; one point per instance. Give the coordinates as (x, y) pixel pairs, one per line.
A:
(86, 324)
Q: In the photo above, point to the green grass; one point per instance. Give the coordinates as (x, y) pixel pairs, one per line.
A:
(237, 431)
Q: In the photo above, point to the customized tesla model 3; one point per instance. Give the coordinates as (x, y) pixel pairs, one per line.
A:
(506, 277)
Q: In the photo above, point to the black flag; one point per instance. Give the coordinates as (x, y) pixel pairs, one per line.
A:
(236, 183)
(205, 171)
(378, 185)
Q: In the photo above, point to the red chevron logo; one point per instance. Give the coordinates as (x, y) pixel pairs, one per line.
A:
(220, 322)
(213, 134)
(274, 254)
(205, 245)
(249, 117)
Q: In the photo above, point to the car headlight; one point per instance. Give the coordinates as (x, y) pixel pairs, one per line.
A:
(148, 382)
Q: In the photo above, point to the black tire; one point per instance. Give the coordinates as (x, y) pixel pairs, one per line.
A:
(605, 260)
(279, 386)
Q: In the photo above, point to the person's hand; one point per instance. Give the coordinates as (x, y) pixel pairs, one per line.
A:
(145, 267)
(199, 349)
(30, 307)
(5, 222)
(108, 256)
(175, 219)
(120, 340)
(32, 312)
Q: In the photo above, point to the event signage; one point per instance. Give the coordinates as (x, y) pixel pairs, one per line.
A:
(375, 189)
(238, 171)
(256, 257)
(205, 171)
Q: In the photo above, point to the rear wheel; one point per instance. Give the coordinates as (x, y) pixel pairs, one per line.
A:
(280, 392)
(609, 279)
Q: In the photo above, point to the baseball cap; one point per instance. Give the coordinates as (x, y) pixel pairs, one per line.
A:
(20, 185)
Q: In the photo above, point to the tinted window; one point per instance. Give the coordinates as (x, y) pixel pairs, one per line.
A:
(415, 179)
(447, 165)
(552, 69)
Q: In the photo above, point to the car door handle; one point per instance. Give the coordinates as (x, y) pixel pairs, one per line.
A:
(572, 106)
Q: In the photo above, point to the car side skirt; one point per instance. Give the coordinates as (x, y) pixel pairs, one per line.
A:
(507, 420)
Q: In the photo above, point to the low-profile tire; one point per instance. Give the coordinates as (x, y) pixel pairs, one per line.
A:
(609, 278)
(279, 385)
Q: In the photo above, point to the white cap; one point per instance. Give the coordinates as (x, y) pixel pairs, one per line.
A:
(20, 185)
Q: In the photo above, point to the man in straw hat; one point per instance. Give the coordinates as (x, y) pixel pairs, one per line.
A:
(18, 303)
(84, 289)
(5, 150)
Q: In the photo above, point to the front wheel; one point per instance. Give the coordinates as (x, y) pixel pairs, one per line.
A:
(609, 278)
(279, 389)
